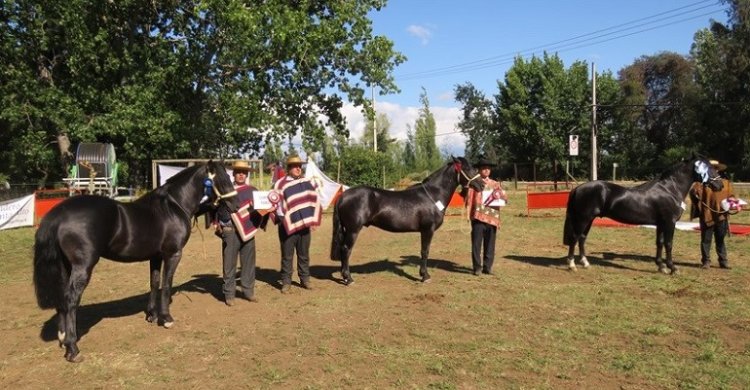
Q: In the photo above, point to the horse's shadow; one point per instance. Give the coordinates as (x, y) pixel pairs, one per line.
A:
(607, 259)
(92, 314)
(385, 265)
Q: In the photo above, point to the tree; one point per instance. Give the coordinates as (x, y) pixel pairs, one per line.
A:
(426, 153)
(539, 104)
(662, 95)
(409, 158)
(383, 137)
(478, 124)
(180, 79)
(272, 153)
(722, 62)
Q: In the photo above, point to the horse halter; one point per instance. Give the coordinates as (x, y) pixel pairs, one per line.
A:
(208, 184)
(701, 169)
(459, 171)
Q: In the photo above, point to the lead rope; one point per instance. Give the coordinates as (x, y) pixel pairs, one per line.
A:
(466, 221)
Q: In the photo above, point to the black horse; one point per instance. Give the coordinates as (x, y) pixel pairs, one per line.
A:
(419, 208)
(77, 232)
(658, 202)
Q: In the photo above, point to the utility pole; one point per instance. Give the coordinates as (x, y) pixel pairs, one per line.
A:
(593, 122)
(374, 122)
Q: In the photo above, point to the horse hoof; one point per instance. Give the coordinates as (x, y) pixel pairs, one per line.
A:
(151, 318)
(77, 358)
(348, 282)
(426, 280)
(664, 270)
(573, 269)
(674, 271)
(168, 324)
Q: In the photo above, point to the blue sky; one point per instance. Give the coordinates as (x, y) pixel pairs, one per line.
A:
(454, 42)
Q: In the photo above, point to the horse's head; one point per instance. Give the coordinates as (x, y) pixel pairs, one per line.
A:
(467, 174)
(705, 173)
(218, 186)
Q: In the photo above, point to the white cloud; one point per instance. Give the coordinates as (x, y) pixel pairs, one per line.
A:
(423, 33)
(447, 135)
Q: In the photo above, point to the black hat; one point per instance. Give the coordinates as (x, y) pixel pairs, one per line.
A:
(484, 162)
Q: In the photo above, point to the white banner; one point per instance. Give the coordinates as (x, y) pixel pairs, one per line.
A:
(17, 212)
(327, 188)
(167, 171)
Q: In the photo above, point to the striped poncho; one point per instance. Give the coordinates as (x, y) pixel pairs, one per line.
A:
(299, 203)
(246, 220)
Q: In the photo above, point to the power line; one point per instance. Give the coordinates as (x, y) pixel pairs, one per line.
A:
(592, 38)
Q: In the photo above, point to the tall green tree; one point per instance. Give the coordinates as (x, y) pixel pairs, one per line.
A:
(426, 153)
(195, 78)
(722, 60)
(384, 139)
(539, 104)
(409, 157)
(662, 95)
(478, 124)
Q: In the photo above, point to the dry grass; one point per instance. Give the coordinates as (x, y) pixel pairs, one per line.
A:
(534, 325)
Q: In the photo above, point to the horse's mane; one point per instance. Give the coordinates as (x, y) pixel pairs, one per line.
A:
(669, 172)
(438, 172)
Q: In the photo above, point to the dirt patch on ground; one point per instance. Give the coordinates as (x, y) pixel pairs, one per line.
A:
(534, 324)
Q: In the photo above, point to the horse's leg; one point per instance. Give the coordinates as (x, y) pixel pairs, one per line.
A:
(579, 237)
(79, 278)
(170, 266)
(62, 311)
(582, 244)
(426, 240)
(668, 237)
(659, 245)
(154, 274)
(346, 250)
(571, 255)
(61, 326)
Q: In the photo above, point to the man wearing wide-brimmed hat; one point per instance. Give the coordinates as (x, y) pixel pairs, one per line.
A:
(484, 219)
(712, 217)
(297, 212)
(237, 232)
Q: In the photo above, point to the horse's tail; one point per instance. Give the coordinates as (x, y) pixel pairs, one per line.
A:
(48, 266)
(337, 236)
(568, 235)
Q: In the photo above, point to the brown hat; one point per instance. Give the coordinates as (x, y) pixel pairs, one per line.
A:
(294, 160)
(241, 165)
(717, 165)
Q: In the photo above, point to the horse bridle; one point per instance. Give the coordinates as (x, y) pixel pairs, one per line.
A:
(219, 195)
(460, 172)
(701, 168)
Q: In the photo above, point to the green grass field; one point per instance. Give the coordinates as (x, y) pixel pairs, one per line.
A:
(618, 324)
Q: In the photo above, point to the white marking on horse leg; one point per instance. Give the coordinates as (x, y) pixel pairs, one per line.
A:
(60, 336)
(585, 262)
(572, 264)
(168, 324)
